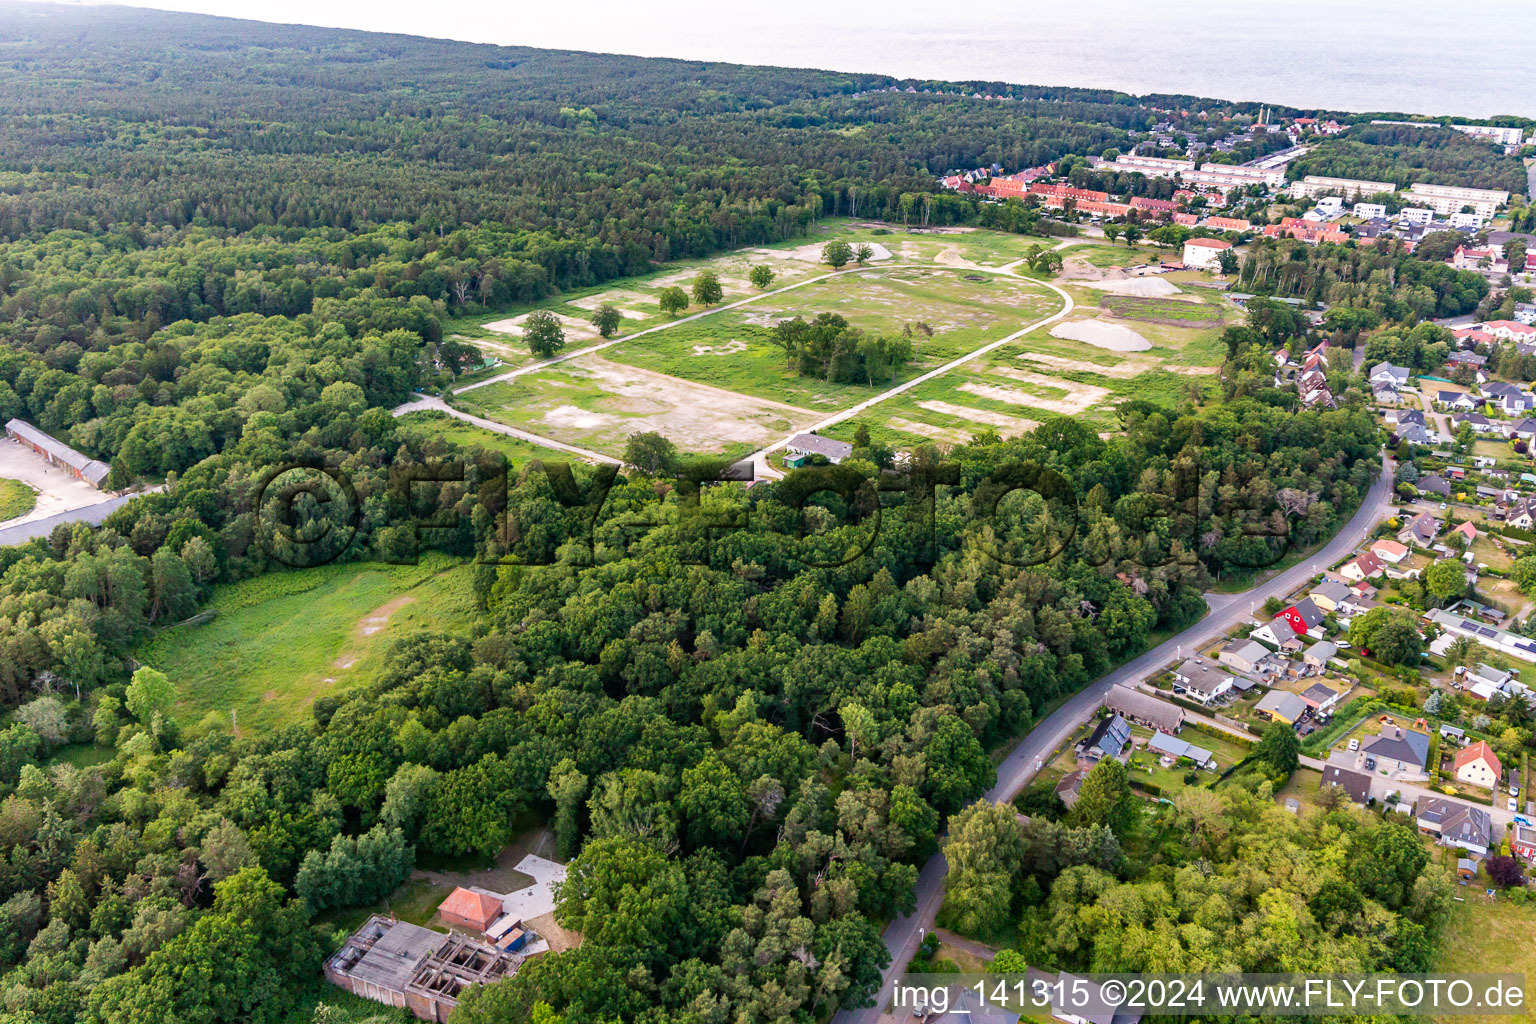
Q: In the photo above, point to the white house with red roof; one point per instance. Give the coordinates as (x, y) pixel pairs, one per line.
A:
(1477, 765)
(1389, 551)
(1510, 330)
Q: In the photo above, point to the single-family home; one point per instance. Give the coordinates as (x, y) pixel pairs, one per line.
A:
(1320, 696)
(1278, 632)
(1395, 751)
(1329, 593)
(802, 446)
(1421, 531)
(1415, 433)
(1456, 823)
(1403, 417)
(1320, 653)
(1070, 785)
(1389, 551)
(1356, 784)
(1433, 483)
(1174, 747)
(1522, 514)
(1244, 656)
(1387, 373)
(1144, 709)
(1464, 357)
(1479, 423)
(1201, 680)
(1281, 706)
(1363, 566)
(1525, 430)
(1478, 765)
(1511, 400)
(1109, 739)
(1304, 616)
(1385, 394)
(1456, 400)
(1465, 530)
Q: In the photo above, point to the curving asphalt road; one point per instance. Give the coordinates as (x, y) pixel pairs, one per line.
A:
(905, 934)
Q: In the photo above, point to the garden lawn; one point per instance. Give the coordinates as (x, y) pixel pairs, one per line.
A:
(16, 499)
(279, 641)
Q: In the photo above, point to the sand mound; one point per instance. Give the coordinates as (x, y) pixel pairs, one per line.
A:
(1102, 335)
(1143, 287)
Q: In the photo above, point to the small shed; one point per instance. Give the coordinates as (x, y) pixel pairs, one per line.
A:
(1466, 867)
(470, 909)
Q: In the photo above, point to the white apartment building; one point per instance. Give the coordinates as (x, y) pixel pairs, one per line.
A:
(1468, 220)
(1314, 185)
(1448, 199)
(1415, 216)
(1151, 166)
(1233, 176)
(1370, 211)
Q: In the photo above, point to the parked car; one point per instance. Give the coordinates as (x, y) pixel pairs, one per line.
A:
(1512, 805)
(1354, 744)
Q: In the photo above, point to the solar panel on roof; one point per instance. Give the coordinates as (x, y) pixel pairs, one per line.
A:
(1486, 631)
(1468, 625)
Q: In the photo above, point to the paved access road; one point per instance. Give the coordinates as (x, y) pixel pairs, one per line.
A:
(905, 934)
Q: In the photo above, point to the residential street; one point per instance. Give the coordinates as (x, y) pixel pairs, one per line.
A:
(905, 934)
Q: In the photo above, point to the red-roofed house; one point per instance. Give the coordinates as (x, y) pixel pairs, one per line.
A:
(1161, 207)
(1362, 567)
(1478, 765)
(1189, 220)
(1510, 330)
(470, 909)
(1204, 253)
(1228, 224)
(1467, 530)
(1389, 551)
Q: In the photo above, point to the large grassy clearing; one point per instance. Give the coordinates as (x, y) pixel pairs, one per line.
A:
(732, 349)
(281, 640)
(791, 261)
(598, 404)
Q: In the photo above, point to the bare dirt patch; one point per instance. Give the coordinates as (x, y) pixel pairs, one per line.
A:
(812, 253)
(1100, 334)
(991, 419)
(1145, 287)
(622, 400)
(618, 299)
(1079, 398)
(928, 430)
(729, 348)
(575, 328)
(951, 258)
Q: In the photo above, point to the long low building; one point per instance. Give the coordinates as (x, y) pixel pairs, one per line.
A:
(60, 454)
(1447, 200)
(1514, 644)
(1314, 185)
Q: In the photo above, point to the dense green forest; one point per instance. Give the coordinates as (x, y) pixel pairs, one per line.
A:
(1383, 278)
(226, 248)
(1403, 155)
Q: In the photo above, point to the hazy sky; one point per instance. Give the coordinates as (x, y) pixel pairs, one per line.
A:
(1429, 56)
